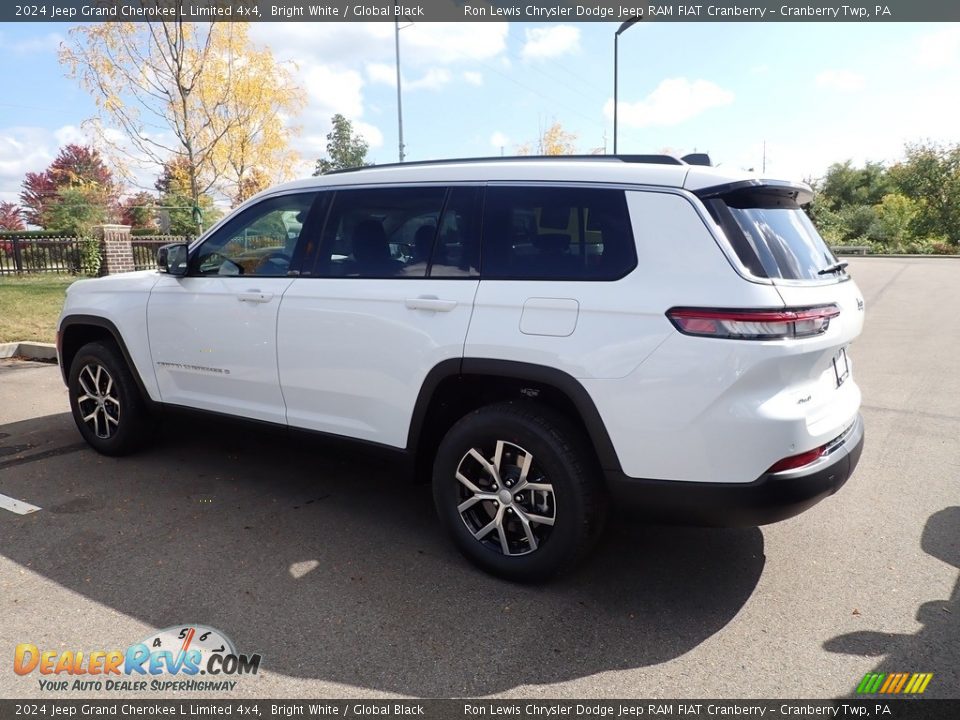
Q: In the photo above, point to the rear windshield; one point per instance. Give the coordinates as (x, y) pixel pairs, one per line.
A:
(773, 237)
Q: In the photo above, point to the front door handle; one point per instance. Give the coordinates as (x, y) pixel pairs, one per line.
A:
(431, 302)
(255, 296)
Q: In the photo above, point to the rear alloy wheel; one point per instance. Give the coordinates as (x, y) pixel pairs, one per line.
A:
(518, 491)
(507, 503)
(107, 405)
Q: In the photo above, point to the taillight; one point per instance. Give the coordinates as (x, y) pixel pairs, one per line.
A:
(797, 461)
(753, 324)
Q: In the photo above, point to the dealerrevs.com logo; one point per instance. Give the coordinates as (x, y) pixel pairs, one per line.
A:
(181, 658)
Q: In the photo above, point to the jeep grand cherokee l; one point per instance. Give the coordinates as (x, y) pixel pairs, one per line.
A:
(546, 338)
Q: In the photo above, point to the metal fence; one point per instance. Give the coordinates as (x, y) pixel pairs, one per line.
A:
(71, 256)
(60, 255)
(145, 249)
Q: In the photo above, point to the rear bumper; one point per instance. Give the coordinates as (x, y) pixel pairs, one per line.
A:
(770, 498)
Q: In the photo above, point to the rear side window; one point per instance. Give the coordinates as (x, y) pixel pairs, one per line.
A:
(556, 233)
(383, 232)
(772, 236)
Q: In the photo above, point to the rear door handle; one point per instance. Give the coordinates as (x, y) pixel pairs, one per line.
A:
(431, 302)
(255, 296)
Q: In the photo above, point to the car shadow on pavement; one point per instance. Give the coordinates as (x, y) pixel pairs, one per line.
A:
(329, 563)
(935, 647)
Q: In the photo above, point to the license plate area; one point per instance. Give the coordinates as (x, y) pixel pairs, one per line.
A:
(841, 366)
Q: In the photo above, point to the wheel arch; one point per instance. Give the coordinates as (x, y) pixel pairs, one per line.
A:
(78, 330)
(455, 387)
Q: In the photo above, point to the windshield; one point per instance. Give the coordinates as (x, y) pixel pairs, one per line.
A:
(774, 238)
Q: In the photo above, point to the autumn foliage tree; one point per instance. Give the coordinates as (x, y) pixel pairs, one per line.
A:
(552, 141)
(11, 217)
(175, 206)
(139, 211)
(196, 94)
(76, 167)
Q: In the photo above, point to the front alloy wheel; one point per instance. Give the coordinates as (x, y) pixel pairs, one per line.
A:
(106, 403)
(506, 502)
(98, 401)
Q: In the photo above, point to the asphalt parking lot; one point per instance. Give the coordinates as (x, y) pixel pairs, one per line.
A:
(337, 574)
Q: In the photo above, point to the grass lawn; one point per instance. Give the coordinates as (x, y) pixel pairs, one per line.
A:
(30, 306)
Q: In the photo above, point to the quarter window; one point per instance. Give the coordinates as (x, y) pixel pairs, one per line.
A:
(554, 233)
(261, 241)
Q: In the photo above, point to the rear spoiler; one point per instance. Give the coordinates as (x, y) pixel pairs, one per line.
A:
(761, 191)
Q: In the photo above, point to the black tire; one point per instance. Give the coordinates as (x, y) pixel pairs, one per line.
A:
(559, 460)
(118, 421)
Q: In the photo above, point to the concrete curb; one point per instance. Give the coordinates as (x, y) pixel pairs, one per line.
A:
(29, 350)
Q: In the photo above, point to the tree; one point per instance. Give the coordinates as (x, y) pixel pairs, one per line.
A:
(930, 175)
(197, 94)
(76, 166)
(176, 208)
(846, 185)
(139, 211)
(76, 211)
(11, 217)
(553, 141)
(345, 149)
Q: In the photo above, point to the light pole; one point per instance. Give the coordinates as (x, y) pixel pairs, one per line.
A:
(616, 38)
(397, 29)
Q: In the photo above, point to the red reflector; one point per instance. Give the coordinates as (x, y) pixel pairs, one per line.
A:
(795, 461)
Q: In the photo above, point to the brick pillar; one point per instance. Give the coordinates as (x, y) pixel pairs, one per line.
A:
(116, 249)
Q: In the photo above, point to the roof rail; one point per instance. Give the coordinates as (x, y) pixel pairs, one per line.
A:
(649, 159)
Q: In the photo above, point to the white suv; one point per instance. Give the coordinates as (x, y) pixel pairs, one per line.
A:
(545, 338)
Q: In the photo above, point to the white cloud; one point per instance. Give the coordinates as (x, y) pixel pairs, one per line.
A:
(445, 43)
(331, 90)
(499, 140)
(842, 80)
(674, 101)
(550, 42)
(70, 134)
(473, 78)
(336, 62)
(30, 149)
(433, 79)
(370, 133)
(382, 73)
(938, 49)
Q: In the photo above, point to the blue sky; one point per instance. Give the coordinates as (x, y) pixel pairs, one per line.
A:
(815, 93)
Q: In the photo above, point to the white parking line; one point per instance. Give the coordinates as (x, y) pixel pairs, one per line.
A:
(16, 506)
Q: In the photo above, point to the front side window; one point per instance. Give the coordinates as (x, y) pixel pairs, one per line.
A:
(261, 241)
(557, 233)
(381, 232)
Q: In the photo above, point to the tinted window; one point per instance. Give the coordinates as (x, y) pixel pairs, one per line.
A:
(772, 236)
(456, 251)
(260, 241)
(384, 232)
(545, 233)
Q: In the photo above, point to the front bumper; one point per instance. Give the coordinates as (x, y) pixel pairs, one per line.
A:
(770, 498)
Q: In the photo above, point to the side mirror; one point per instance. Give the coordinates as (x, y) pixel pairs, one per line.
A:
(172, 259)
